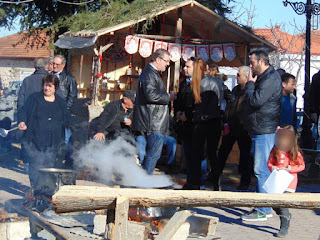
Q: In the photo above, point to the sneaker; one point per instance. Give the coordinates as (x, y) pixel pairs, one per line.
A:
(269, 215)
(254, 216)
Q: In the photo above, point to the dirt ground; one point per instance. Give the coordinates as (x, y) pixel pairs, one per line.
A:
(305, 225)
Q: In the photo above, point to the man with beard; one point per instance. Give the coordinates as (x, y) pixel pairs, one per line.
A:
(263, 106)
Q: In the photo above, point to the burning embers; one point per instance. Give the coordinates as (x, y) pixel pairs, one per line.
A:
(154, 216)
(10, 217)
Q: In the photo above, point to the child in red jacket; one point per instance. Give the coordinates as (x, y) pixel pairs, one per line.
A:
(286, 155)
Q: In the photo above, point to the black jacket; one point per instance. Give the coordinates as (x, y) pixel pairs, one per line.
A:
(235, 111)
(151, 114)
(314, 94)
(184, 103)
(27, 114)
(30, 85)
(112, 118)
(263, 103)
(211, 92)
(68, 87)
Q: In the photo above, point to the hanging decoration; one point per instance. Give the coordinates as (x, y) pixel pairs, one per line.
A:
(160, 44)
(116, 53)
(188, 51)
(203, 52)
(131, 44)
(175, 51)
(229, 51)
(216, 53)
(145, 48)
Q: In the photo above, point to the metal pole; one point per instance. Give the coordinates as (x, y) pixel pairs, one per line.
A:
(306, 134)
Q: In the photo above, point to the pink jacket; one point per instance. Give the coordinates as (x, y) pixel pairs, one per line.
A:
(284, 162)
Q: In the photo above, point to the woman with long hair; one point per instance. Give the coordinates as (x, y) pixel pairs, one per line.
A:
(207, 121)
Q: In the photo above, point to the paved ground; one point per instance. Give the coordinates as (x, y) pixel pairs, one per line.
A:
(305, 223)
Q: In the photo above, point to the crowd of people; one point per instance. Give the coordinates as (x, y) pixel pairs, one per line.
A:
(204, 110)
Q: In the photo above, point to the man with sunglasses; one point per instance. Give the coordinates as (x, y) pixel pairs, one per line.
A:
(151, 112)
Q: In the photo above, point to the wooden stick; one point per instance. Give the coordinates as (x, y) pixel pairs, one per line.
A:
(36, 219)
(173, 225)
(87, 198)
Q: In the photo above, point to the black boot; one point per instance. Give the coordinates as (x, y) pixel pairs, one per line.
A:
(284, 226)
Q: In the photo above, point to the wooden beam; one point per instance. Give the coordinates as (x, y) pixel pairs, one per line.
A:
(177, 63)
(36, 219)
(87, 198)
(120, 231)
(173, 225)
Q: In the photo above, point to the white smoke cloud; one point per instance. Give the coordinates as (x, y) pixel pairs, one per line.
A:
(116, 161)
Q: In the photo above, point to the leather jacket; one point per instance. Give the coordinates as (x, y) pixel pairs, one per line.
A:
(68, 88)
(263, 103)
(211, 92)
(151, 113)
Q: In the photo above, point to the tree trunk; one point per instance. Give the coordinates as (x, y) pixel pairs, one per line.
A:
(87, 198)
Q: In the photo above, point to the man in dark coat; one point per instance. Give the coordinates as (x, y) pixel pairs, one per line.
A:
(68, 84)
(315, 97)
(33, 83)
(235, 120)
(116, 117)
(6, 118)
(263, 98)
(151, 113)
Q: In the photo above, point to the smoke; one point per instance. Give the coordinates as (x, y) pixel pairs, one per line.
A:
(115, 162)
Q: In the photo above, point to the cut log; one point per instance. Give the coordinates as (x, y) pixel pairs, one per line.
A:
(173, 225)
(86, 198)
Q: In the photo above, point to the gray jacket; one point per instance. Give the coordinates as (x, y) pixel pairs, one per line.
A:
(211, 92)
(6, 107)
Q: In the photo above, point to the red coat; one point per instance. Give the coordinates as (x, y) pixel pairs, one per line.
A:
(284, 162)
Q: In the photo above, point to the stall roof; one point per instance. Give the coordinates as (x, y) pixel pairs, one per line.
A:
(194, 17)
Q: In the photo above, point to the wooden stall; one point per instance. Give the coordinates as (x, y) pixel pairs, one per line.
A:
(105, 69)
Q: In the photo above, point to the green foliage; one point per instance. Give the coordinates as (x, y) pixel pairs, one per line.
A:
(116, 12)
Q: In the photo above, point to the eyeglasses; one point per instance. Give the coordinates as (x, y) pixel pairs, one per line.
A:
(56, 64)
(167, 61)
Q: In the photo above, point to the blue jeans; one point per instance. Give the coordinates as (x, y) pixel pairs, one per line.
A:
(171, 145)
(262, 146)
(141, 147)
(169, 142)
(153, 153)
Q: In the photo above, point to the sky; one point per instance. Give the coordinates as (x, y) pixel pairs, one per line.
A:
(266, 10)
(273, 11)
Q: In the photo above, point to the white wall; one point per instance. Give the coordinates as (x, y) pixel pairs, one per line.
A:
(15, 69)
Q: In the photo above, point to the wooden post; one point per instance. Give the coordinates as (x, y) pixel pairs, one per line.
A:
(80, 73)
(117, 220)
(120, 231)
(178, 40)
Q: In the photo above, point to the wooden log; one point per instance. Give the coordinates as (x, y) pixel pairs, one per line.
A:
(173, 225)
(177, 63)
(87, 198)
(36, 219)
(120, 230)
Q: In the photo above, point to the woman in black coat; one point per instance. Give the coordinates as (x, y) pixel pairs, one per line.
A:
(44, 117)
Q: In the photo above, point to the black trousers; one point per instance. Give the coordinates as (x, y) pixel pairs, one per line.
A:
(245, 162)
(209, 132)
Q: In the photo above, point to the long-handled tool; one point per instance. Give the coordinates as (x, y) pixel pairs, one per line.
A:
(4, 132)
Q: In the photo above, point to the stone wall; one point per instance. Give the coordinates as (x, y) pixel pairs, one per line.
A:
(15, 69)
